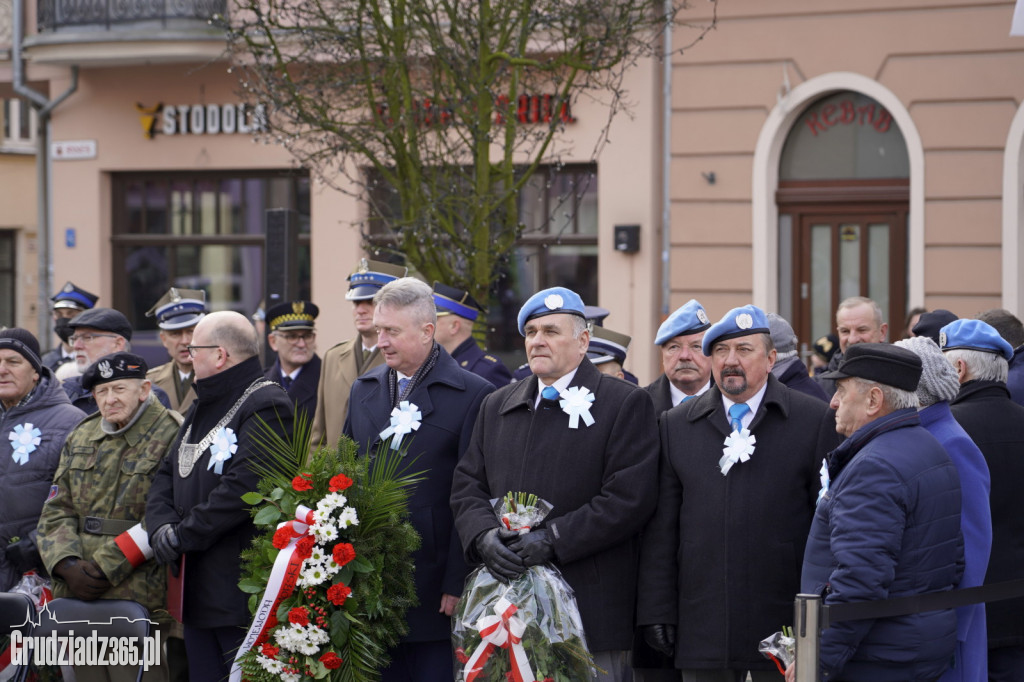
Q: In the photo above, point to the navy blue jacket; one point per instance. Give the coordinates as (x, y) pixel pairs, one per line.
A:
(976, 526)
(472, 358)
(448, 398)
(1015, 378)
(794, 375)
(303, 390)
(888, 526)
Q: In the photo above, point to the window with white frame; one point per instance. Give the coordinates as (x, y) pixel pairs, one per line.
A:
(19, 126)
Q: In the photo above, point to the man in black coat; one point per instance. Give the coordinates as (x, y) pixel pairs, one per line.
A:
(297, 367)
(195, 508)
(687, 369)
(585, 442)
(738, 482)
(457, 311)
(420, 378)
(996, 424)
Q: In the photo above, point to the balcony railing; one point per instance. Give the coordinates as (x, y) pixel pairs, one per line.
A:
(55, 15)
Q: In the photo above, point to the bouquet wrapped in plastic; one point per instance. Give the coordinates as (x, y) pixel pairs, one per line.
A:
(780, 647)
(527, 631)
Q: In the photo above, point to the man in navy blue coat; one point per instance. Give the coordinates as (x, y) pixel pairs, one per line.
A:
(420, 377)
(297, 368)
(887, 526)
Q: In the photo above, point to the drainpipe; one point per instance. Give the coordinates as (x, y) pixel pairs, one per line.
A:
(44, 189)
(666, 161)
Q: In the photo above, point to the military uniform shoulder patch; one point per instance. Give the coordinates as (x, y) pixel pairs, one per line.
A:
(490, 358)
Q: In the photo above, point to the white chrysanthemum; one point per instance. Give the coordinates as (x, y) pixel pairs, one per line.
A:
(301, 639)
(325, 533)
(312, 574)
(331, 566)
(348, 518)
(331, 502)
(271, 665)
(316, 556)
(321, 516)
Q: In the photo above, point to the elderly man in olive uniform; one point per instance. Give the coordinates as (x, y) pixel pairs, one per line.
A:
(177, 315)
(687, 371)
(67, 304)
(349, 360)
(91, 535)
(457, 311)
(585, 442)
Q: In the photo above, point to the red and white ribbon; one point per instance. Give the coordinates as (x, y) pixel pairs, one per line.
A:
(280, 585)
(134, 543)
(505, 631)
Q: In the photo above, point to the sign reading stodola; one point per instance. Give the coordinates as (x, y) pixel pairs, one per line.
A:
(202, 119)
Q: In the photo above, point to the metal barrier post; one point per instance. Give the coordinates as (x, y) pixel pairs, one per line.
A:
(806, 630)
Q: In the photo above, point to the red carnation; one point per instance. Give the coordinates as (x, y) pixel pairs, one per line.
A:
(282, 536)
(338, 593)
(331, 660)
(270, 651)
(302, 482)
(460, 654)
(304, 547)
(299, 615)
(339, 482)
(343, 553)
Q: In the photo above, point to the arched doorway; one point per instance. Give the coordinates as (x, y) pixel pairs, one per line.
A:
(843, 202)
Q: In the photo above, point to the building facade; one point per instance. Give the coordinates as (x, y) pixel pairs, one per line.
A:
(816, 150)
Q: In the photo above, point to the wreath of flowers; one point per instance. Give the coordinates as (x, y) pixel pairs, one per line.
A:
(344, 518)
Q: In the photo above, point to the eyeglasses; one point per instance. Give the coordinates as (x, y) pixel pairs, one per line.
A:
(192, 349)
(87, 338)
(295, 337)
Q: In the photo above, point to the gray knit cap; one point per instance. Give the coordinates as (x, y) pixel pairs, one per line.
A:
(938, 378)
(782, 333)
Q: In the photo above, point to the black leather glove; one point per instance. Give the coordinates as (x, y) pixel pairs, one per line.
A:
(534, 547)
(502, 562)
(85, 579)
(24, 556)
(661, 638)
(165, 544)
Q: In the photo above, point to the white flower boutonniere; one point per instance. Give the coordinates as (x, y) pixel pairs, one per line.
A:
(404, 420)
(738, 447)
(224, 444)
(575, 402)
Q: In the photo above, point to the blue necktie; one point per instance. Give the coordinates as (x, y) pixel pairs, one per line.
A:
(736, 414)
(549, 393)
(286, 382)
(402, 383)
(687, 397)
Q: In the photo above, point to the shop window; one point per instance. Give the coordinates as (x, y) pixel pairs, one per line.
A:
(199, 231)
(558, 246)
(8, 275)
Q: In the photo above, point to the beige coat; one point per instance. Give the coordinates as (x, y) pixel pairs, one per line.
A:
(337, 374)
(165, 376)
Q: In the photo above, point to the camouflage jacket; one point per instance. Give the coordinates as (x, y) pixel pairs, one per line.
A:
(107, 477)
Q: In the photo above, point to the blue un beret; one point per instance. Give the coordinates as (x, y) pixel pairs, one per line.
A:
(549, 302)
(690, 318)
(974, 335)
(742, 321)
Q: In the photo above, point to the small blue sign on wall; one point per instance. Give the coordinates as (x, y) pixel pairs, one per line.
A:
(69, 237)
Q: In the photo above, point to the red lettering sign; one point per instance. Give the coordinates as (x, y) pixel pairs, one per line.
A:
(845, 112)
